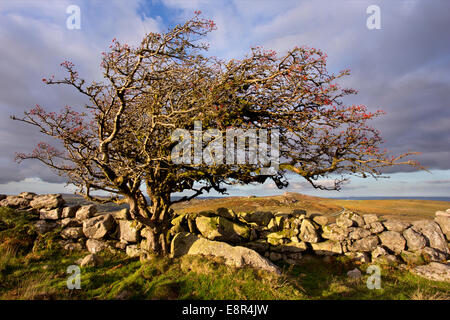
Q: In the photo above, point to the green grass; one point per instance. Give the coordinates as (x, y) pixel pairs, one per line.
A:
(38, 271)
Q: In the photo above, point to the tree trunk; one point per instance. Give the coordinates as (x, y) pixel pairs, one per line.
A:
(158, 224)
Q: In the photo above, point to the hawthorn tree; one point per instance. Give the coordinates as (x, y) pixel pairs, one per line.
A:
(122, 143)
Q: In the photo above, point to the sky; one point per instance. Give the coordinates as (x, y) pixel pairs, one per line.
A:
(402, 67)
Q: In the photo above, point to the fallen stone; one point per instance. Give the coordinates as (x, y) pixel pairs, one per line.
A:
(187, 243)
(96, 246)
(433, 271)
(91, 260)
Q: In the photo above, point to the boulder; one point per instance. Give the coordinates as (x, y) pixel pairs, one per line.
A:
(433, 234)
(334, 232)
(91, 260)
(187, 243)
(54, 214)
(99, 226)
(356, 218)
(358, 233)
(327, 248)
(219, 228)
(414, 240)
(393, 241)
(262, 218)
(95, 246)
(72, 233)
(367, 244)
(433, 271)
(47, 202)
(85, 212)
(320, 220)
(69, 212)
(395, 225)
(226, 213)
(2, 196)
(15, 202)
(128, 231)
(444, 223)
(308, 232)
(375, 227)
(370, 218)
(344, 222)
(443, 213)
(27, 195)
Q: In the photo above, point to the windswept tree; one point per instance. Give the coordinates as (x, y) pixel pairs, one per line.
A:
(123, 143)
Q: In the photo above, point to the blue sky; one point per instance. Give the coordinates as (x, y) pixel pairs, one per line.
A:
(402, 68)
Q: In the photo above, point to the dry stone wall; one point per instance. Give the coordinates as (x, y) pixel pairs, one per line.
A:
(276, 236)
